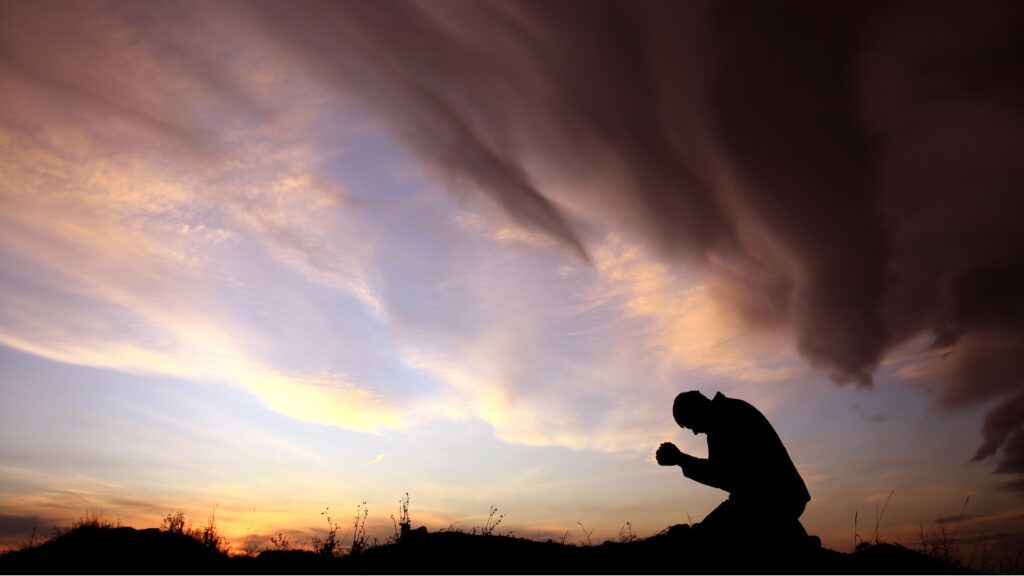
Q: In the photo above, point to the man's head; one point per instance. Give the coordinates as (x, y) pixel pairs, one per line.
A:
(692, 410)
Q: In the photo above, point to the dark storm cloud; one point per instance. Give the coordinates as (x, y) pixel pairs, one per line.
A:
(108, 62)
(22, 526)
(853, 170)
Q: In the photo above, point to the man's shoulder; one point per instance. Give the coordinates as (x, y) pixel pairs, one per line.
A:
(723, 401)
(734, 408)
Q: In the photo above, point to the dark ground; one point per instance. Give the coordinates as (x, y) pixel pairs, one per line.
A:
(91, 549)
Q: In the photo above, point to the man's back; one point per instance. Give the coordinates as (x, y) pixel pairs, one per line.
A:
(749, 459)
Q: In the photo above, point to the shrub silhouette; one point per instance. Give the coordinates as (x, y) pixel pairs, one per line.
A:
(329, 545)
(359, 542)
(403, 525)
(174, 523)
(281, 541)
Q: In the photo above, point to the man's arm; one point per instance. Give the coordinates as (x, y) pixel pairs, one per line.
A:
(697, 469)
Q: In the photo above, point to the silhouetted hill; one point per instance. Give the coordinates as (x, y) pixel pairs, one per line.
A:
(93, 549)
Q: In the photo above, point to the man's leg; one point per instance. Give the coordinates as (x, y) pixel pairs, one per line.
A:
(720, 522)
(737, 519)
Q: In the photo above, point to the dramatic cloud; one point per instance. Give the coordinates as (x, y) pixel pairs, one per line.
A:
(851, 171)
(848, 174)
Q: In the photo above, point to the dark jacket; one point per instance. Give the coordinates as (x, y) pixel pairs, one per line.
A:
(746, 458)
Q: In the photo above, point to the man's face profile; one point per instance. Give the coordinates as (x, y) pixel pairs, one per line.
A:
(686, 419)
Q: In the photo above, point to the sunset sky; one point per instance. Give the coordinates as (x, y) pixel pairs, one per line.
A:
(273, 257)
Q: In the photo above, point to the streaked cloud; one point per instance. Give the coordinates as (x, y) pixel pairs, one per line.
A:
(825, 190)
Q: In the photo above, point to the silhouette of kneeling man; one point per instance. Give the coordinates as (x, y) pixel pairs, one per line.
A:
(746, 458)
